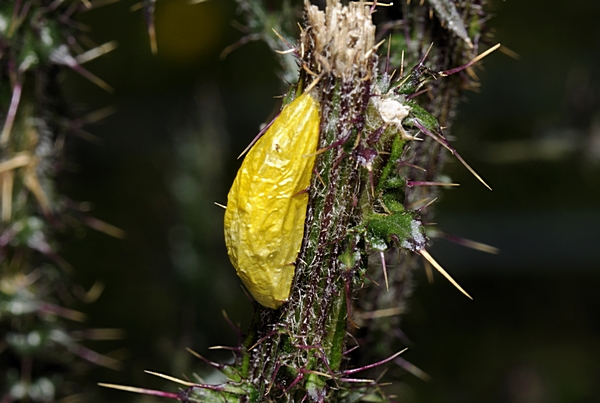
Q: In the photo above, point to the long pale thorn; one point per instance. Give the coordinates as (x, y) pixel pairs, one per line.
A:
(443, 272)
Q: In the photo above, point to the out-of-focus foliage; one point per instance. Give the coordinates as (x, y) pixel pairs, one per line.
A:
(41, 342)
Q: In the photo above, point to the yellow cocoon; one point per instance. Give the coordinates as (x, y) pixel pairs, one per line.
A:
(266, 206)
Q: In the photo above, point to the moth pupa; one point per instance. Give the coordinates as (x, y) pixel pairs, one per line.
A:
(266, 206)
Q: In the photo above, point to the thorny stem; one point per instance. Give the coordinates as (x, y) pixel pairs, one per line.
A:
(40, 342)
(296, 353)
(441, 100)
(306, 336)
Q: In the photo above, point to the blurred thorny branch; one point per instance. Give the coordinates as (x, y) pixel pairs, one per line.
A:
(41, 336)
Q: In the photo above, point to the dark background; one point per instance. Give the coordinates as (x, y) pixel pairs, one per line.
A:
(531, 335)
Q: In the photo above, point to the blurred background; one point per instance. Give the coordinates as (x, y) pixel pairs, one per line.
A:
(169, 151)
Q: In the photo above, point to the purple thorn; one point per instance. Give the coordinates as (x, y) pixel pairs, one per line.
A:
(440, 139)
(427, 183)
(384, 268)
(206, 360)
(235, 328)
(429, 203)
(62, 56)
(420, 64)
(143, 391)
(258, 136)
(376, 364)
(294, 382)
(413, 369)
(469, 64)
(277, 368)
(371, 279)
(88, 354)
(149, 6)
(469, 243)
(416, 94)
(12, 112)
(48, 308)
(271, 333)
(350, 350)
(403, 337)
(17, 18)
(373, 5)
(406, 164)
(323, 358)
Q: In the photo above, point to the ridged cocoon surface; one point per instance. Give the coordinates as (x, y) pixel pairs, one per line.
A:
(266, 206)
